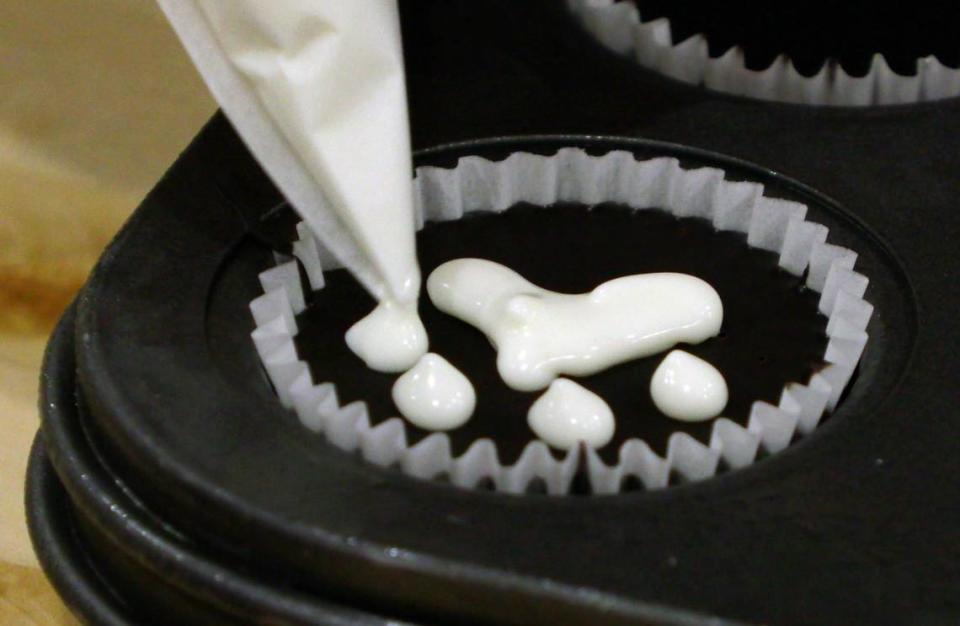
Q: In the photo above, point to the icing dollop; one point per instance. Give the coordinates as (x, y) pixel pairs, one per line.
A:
(687, 388)
(567, 414)
(390, 338)
(434, 394)
(540, 334)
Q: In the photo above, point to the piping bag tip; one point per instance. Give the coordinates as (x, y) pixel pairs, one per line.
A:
(327, 121)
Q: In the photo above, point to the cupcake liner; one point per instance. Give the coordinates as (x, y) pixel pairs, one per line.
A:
(620, 27)
(572, 175)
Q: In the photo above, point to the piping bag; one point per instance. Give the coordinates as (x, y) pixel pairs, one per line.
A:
(316, 90)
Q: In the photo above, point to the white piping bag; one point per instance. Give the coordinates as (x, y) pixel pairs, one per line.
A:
(316, 90)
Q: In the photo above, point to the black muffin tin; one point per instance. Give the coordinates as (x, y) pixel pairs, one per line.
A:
(180, 472)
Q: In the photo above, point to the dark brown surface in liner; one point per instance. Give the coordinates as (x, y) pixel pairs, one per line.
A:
(772, 332)
(813, 31)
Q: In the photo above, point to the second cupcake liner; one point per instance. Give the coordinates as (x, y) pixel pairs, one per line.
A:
(620, 27)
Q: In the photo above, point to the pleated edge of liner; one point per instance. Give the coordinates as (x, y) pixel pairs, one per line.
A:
(620, 28)
(571, 175)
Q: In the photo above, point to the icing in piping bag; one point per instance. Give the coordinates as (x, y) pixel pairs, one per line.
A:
(316, 90)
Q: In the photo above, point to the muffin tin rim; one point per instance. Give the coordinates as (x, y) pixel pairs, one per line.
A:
(342, 544)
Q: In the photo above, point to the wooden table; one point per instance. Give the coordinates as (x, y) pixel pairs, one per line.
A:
(98, 101)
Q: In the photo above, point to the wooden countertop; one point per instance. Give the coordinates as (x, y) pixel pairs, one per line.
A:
(98, 101)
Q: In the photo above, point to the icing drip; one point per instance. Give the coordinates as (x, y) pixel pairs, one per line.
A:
(540, 334)
(567, 414)
(390, 338)
(434, 395)
(688, 388)
(317, 91)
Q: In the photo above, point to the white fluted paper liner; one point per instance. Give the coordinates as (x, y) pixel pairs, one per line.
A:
(620, 27)
(572, 175)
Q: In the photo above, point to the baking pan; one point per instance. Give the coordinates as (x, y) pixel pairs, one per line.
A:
(59, 551)
(241, 474)
(158, 574)
(857, 524)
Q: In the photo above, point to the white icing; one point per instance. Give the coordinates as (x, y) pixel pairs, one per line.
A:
(434, 395)
(541, 334)
(390, 338)
(688, 388)
(567, 413)
(317, 91)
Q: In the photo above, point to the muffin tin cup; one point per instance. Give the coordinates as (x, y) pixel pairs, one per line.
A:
(477, 185)
(619, 26)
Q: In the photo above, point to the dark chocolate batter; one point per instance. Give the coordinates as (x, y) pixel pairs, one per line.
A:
(772, 332)
(812, 32)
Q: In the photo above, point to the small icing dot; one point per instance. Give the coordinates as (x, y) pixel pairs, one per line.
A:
(434, 395)
(567, 413)
(688, 388)
(390, 338)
